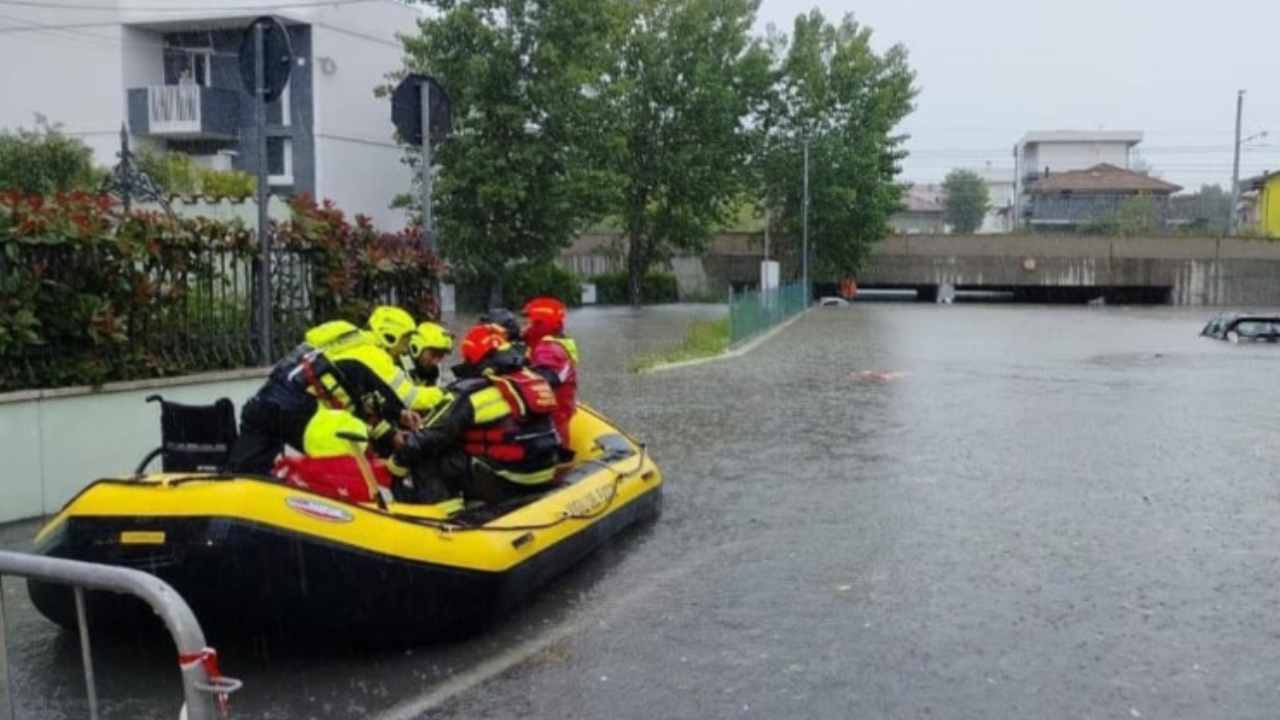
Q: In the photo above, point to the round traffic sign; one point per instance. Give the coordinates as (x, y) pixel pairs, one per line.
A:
(406, 109)
(277, 57)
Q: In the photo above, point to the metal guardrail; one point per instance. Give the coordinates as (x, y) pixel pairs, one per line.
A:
(205, 689)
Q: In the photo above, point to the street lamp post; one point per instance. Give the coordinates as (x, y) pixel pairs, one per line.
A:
(804, 225)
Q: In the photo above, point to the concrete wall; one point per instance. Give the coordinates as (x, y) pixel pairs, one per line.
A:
(74, 78)
(57, 441)
(1060, 157)
(1198, 271)
(358, 162)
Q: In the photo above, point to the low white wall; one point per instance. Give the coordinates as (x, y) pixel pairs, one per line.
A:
(57, 441)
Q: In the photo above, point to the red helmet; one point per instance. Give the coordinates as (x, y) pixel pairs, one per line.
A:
(547, 312)
(481, 340)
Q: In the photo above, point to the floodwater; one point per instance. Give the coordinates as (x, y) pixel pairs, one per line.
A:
(907, 510)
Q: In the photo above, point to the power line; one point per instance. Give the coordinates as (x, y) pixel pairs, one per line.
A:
(100, 41)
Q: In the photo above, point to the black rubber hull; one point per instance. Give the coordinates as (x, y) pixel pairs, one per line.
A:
(249, 580)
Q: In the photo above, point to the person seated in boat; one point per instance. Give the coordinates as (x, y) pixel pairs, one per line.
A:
(510, 325)
(386, 329)
(429, 345)
(553, 355)
(313, 396)
(495, 438)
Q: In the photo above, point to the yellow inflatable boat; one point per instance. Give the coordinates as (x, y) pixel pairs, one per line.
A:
(252, 555)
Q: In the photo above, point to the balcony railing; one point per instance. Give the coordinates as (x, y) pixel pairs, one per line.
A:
(184, 112)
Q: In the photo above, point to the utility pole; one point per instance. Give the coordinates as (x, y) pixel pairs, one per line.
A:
(1235, 167)
(804, 214)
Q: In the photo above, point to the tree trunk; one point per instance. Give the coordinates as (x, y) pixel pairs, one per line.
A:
(495, 292)
(635, 270)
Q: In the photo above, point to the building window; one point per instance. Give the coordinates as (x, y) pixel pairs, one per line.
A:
(279, 161)
(188, 66)
(278, 112)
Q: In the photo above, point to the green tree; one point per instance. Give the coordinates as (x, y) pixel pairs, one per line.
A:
(1138, 215)
(833, 92)
(1206, 210)
(44, 161)
(515, 183)
(966, 201)
(686, 77)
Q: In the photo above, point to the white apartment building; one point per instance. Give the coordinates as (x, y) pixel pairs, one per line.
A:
(171, 75)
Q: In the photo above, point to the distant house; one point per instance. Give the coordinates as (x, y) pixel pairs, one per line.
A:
(1000, 193)
(1056, 151)
(1069, 199)
(1266, 208)
(922, 211)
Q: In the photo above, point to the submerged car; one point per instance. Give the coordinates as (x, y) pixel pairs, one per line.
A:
(1235, 327)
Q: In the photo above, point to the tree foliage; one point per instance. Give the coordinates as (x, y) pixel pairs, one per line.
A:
(44, 161)
(833, 91)
(1206, 210)
(966, 201)
(177, 173)
(515, 180)
(686, 76)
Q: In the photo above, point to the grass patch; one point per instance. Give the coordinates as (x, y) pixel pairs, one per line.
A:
(703, 339)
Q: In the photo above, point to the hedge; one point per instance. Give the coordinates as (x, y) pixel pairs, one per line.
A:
(656, 287)
(90, 294)
(529, 280)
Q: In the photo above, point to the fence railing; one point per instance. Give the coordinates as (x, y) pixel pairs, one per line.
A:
(204, 689)
(174, 108)
(754, 311)
(207, 325)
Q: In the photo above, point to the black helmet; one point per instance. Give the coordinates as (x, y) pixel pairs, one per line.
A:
(504, 319)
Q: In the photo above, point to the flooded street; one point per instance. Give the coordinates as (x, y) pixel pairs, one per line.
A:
(887, 510)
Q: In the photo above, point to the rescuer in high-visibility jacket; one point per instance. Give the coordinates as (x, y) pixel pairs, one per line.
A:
(429, 345)
(554, 356)
(493, 439)
(346, 383)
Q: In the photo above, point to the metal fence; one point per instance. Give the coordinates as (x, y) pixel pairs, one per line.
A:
(202, 320)
(204, 688)
(752, 312)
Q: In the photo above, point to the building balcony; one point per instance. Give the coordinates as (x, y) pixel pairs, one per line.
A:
(184, 112)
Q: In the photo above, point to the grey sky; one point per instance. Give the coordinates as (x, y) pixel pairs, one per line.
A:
(990, 70)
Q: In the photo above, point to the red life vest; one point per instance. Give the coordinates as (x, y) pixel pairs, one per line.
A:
(521, 433)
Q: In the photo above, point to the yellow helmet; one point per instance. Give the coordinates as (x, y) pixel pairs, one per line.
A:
(390, 325)
(430, 336)
(327, 334)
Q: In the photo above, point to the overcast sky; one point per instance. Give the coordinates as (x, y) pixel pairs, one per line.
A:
(991, 70)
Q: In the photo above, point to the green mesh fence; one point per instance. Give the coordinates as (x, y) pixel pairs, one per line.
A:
(753, 312)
